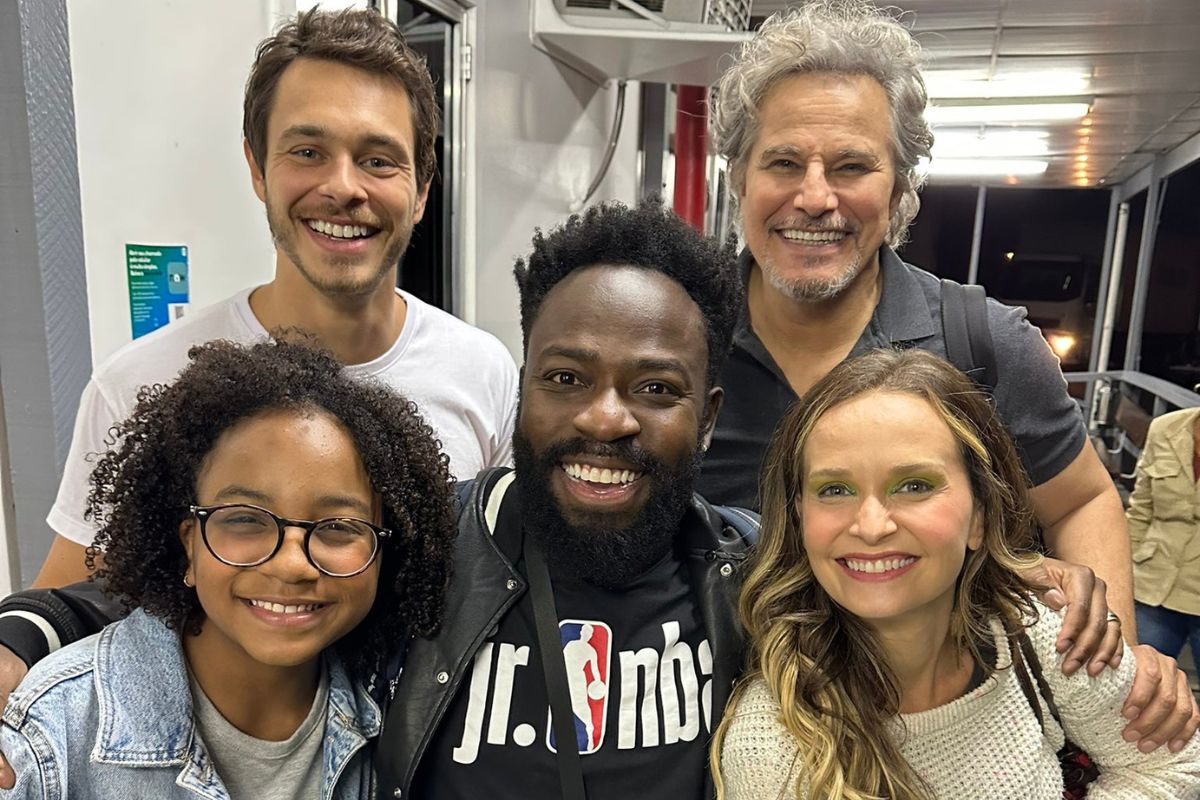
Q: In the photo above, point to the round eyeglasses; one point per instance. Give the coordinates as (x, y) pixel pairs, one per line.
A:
(246, 536)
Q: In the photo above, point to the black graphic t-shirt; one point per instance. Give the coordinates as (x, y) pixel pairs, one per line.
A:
(639, 669)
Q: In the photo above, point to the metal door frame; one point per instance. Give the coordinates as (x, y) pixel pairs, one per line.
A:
(460, 145)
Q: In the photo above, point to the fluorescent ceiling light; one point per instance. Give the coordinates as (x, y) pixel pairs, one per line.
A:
(990, 144)
(963, 83)
(1015, 112)
(984, 167)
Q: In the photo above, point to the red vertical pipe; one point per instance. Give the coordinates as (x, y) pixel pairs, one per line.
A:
(691, 153)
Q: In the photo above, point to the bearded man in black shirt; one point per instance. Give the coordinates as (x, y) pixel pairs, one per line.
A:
(626, 315)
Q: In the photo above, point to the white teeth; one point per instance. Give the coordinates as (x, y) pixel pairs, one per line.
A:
(337, 231)
(279, 608)
(590, 474)
(878, 565)
(813, 237)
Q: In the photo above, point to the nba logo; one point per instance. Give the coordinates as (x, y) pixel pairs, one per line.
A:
(587, 647)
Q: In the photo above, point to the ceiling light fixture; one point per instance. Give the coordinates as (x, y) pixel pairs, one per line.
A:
(1005, 112)
(966, 83)
(990, 144)
(983, 167)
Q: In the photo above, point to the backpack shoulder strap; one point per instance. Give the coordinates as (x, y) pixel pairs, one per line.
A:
(968, 337)
(742, 520)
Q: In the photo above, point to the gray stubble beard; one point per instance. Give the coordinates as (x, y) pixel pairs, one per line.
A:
(809, 290)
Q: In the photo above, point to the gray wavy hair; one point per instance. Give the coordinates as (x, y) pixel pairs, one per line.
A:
(842, 36)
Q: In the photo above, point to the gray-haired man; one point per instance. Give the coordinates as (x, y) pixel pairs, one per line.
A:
(821, 118)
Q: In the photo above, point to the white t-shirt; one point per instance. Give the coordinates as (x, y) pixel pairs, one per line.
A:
(462, 379)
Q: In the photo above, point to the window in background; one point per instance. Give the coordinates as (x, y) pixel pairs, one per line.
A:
(1170, 342)
(940, 237)
(1043, 249)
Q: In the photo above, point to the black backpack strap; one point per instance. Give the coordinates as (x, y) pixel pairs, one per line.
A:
(968, 337)
(549, 645)
(742, 520)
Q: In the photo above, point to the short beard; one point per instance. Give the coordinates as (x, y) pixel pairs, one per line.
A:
(285, 240)
(811, 290)
(592, 550)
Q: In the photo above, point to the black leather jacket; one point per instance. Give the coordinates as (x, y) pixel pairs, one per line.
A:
(486, 586)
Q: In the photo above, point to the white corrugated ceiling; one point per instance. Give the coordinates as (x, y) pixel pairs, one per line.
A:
(1141, 59)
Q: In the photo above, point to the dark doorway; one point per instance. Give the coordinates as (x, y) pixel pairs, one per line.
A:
(425, 270)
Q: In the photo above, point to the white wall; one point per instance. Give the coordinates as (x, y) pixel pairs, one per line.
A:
(158, 94)
(9, 554)
(540, 132)
(158, 103)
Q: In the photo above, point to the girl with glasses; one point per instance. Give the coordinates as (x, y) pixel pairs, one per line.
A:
(277, 529)
(895, 650)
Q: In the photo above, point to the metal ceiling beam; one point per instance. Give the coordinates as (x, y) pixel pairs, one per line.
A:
(1168, 163)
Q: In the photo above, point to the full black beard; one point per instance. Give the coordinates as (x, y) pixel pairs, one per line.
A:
(594, 551)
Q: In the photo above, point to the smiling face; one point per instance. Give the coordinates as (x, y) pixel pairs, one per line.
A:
(887, 509)
(283, 612)
(819, 186)
(338, 176)
(614, 403)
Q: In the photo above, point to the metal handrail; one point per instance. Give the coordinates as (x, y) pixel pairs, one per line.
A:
(1170, 392)
(1165, 393)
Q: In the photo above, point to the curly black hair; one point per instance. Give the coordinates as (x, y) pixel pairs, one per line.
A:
(141, 490)
(648, 236)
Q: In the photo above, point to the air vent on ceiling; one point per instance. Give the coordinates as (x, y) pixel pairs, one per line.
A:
(671, 10)
(612, 5)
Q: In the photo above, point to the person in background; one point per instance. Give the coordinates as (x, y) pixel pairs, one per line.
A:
(1164, 526)
(278, 526)
(821, 118)
(892, 634)
(339, 128)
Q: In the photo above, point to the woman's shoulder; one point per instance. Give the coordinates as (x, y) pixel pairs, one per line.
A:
(756, 699)
(65, 683)
(756, 721)
(758, 753)
(65, 672)
(1042, 627)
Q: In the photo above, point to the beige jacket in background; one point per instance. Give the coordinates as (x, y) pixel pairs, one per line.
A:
(1164, 516)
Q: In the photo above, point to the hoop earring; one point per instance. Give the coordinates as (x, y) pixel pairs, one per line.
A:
(187, 581)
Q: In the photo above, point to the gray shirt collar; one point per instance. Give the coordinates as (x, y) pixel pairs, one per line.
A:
(902, 315)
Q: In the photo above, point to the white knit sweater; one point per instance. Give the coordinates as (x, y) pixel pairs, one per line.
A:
(986, 744)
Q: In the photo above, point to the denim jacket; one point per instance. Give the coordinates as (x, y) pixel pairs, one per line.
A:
(111, 717)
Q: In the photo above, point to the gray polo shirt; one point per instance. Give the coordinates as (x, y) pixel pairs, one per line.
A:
(1031, 394)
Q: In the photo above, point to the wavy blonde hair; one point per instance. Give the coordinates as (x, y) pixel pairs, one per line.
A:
(820, 662)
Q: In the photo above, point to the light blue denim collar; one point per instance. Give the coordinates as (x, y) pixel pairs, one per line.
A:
(144, 700)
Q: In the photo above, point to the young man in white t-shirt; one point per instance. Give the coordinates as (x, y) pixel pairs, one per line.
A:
(340, 119)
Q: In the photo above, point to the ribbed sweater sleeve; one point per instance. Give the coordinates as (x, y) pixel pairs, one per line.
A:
(1091, 717)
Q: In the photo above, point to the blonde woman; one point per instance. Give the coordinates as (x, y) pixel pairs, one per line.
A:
(885, 610)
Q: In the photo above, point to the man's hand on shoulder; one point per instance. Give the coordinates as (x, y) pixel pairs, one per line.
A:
(1160, 707)
(12, 670)
(1087, 635)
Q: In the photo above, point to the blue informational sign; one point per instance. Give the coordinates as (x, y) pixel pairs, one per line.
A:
(158, 285)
